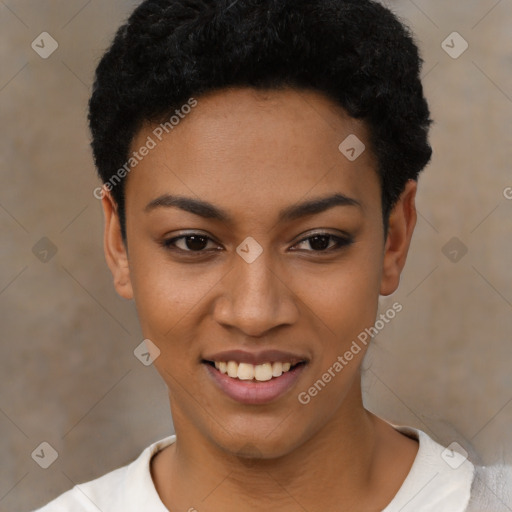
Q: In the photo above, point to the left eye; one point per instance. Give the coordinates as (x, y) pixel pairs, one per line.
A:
(319, 242)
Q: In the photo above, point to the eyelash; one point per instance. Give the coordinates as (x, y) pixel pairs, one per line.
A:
(340, 243)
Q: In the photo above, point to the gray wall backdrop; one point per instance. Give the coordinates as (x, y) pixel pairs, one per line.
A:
(68, 376)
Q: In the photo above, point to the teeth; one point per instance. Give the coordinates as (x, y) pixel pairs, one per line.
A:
(277, 369)
(263, 372)
(232, 369)
(246, 371)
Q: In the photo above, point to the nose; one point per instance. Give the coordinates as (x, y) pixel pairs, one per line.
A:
(256, 297)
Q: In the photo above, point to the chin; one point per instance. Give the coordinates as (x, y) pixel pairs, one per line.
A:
(260, 442)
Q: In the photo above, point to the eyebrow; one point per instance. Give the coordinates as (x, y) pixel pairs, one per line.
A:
(209, 211)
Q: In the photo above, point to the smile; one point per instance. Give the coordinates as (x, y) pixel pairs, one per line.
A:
(247, 371)
(254, 384)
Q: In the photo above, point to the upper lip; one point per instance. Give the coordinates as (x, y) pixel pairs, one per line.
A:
(255, 358)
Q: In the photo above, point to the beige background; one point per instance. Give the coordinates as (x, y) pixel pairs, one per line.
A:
(68, 373)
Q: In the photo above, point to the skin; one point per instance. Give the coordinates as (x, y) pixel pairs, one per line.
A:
(254, 153)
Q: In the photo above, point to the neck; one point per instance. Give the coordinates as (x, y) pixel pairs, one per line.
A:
(337, 467)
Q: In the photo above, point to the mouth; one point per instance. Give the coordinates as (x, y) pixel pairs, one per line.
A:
(254, 384)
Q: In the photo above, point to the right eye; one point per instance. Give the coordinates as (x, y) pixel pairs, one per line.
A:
(189, 243)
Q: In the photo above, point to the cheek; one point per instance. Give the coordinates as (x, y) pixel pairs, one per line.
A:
(343, 299)
(340, 305)
(166, 293)
(170, 303)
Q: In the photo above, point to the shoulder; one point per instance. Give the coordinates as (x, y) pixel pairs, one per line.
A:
(90, 496)
(128, 488)
(443, 479)
(492, 488)
(439, 480)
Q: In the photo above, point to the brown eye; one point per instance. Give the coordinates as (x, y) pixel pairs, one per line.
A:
(319, 242)
(322, 242)
(194, 242)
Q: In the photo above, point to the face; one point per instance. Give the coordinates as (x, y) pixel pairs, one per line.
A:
(256, 247)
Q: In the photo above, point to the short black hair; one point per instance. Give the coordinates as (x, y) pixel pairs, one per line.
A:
(356, 52)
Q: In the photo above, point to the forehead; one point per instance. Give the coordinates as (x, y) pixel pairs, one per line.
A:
(248, 148)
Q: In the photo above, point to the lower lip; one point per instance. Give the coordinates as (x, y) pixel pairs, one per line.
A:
(252, 391)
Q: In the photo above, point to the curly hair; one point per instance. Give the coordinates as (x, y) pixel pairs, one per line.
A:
(356, 52)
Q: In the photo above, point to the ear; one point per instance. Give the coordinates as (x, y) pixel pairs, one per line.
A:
(115, 249)
(401, 224)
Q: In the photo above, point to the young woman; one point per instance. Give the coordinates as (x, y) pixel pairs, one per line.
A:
(259, 162)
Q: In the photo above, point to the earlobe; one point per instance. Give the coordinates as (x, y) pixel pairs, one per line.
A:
(115, 249)
(402, 221)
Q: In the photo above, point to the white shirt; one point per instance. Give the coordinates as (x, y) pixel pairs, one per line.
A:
(439, 480)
